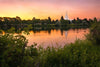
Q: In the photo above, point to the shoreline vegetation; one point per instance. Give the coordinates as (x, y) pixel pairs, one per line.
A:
(83, 53)
(18, 24)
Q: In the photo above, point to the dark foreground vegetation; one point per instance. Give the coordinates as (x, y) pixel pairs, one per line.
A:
(14, 52)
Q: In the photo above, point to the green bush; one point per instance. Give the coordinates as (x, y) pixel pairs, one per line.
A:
(79, 54)
(94, 35)
(13, 52)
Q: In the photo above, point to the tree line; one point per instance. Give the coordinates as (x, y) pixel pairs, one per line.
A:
(19, 24)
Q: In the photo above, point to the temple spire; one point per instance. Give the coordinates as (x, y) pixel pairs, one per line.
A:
(66, 16)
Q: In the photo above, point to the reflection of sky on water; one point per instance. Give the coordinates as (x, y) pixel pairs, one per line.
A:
(55, 37)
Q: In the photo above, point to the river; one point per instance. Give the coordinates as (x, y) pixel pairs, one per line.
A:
(55, 37)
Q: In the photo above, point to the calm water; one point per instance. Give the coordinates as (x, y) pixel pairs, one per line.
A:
(55, 38)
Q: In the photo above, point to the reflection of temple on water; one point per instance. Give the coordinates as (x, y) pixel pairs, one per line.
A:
(66, 33)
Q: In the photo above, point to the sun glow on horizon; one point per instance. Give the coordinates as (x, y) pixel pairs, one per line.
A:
(42, 9)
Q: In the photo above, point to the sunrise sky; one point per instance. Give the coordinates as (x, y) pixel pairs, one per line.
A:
(27, 9)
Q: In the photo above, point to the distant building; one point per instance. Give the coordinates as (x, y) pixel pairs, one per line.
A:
(66, 17)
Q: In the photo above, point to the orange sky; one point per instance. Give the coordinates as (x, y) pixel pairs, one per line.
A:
(27, 9)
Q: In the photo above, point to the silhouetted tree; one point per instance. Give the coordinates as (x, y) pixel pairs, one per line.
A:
(62, 18)
(95, 19)
(49, 19)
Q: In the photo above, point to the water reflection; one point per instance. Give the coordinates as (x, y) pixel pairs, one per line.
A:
(55, 37)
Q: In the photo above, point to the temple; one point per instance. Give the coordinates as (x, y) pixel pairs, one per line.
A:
(66, 17)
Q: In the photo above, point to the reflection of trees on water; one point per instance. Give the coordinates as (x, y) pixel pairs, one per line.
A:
(49, 31)
(61, 32)
(64, 32)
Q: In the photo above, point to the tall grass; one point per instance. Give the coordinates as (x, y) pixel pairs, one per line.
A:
(79, 54)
